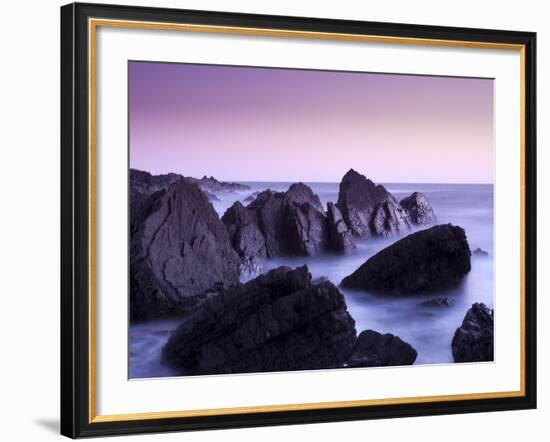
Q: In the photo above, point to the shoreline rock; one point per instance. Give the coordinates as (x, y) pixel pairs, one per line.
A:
(373, 349)
(473, 341)
(435, 258)
(279, 321)
(179, 251)
(419, 209)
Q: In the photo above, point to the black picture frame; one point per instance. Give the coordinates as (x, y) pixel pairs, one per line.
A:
(75, 220)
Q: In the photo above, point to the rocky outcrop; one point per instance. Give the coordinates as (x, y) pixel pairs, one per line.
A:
(419, 209)
(373, 349)
(389, 219)
(246, 237)
(430, 259)
(441, 301)
(340, 236)
(279, 321)
(179, 251)
(369, 209)
(290, 223)
(473, 340)
(142, 182)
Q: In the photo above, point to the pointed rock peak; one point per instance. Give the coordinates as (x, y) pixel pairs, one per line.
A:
(300, 193)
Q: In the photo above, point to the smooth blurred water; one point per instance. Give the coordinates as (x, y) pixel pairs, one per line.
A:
(428, 330)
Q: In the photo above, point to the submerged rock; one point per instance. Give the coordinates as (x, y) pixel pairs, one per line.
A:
(369, 209)
(179, 251)
(442, 301)
(419, 209)
(373, 349)
(279, 321)
(473, 340)
(480, 252)
(434, 258)
(341, 237)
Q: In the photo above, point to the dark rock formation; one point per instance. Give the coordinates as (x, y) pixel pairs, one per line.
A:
(373, 349)
(142, 182)
(340, 235)
(389, 219)
(430, 259)
(211, 184)
(473, 341)
(179, 251)
(369, 209)
(251, 197)
(246, 237)
(276, 322)
(480, 252)
(442, 301)
(278, 224)
(419, 209)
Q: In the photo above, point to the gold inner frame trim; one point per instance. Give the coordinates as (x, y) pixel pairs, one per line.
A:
(93, 24)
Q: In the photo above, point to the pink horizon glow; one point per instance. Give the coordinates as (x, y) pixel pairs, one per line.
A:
(262, 124)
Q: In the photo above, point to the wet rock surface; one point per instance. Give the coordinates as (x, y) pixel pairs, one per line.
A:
(430, 259)
(473, 341)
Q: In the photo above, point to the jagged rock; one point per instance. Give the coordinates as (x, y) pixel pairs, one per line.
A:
(442, 301)
(251, 197)
(142, 182)
(473, 340)
(480, 252)
(390, 219)
(434, 258)
(279, 321)
(369, 209)
(246, 237)
(340, 235)
(373, 349)
(290, 222)
(179, 251)
(419, 209)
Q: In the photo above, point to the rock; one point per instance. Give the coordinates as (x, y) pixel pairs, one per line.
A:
(277, 322)
(179, 251)
(341, 237)
(246, 237)
(373, 349)
(290, 222)
(251, 197)
(473, 340)
(442, 301)
(142, 182)
(369, 209)
(419, 209)
(480, 252)
(211, 184)
(435, 258)
(390, 219)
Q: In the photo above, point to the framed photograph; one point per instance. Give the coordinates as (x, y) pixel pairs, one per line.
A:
(274, 220)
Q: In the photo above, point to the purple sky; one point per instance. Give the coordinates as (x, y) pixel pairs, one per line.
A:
(250, 124)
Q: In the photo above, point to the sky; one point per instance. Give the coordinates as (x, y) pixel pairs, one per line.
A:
(269, 124)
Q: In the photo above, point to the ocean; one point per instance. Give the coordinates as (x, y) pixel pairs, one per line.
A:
(428, 330)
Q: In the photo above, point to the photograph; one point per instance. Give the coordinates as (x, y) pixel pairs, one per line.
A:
(285, 219)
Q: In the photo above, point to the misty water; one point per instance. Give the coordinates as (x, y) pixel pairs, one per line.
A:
(428, 330)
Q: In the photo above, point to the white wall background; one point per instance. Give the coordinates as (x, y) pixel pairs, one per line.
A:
(29, 220)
